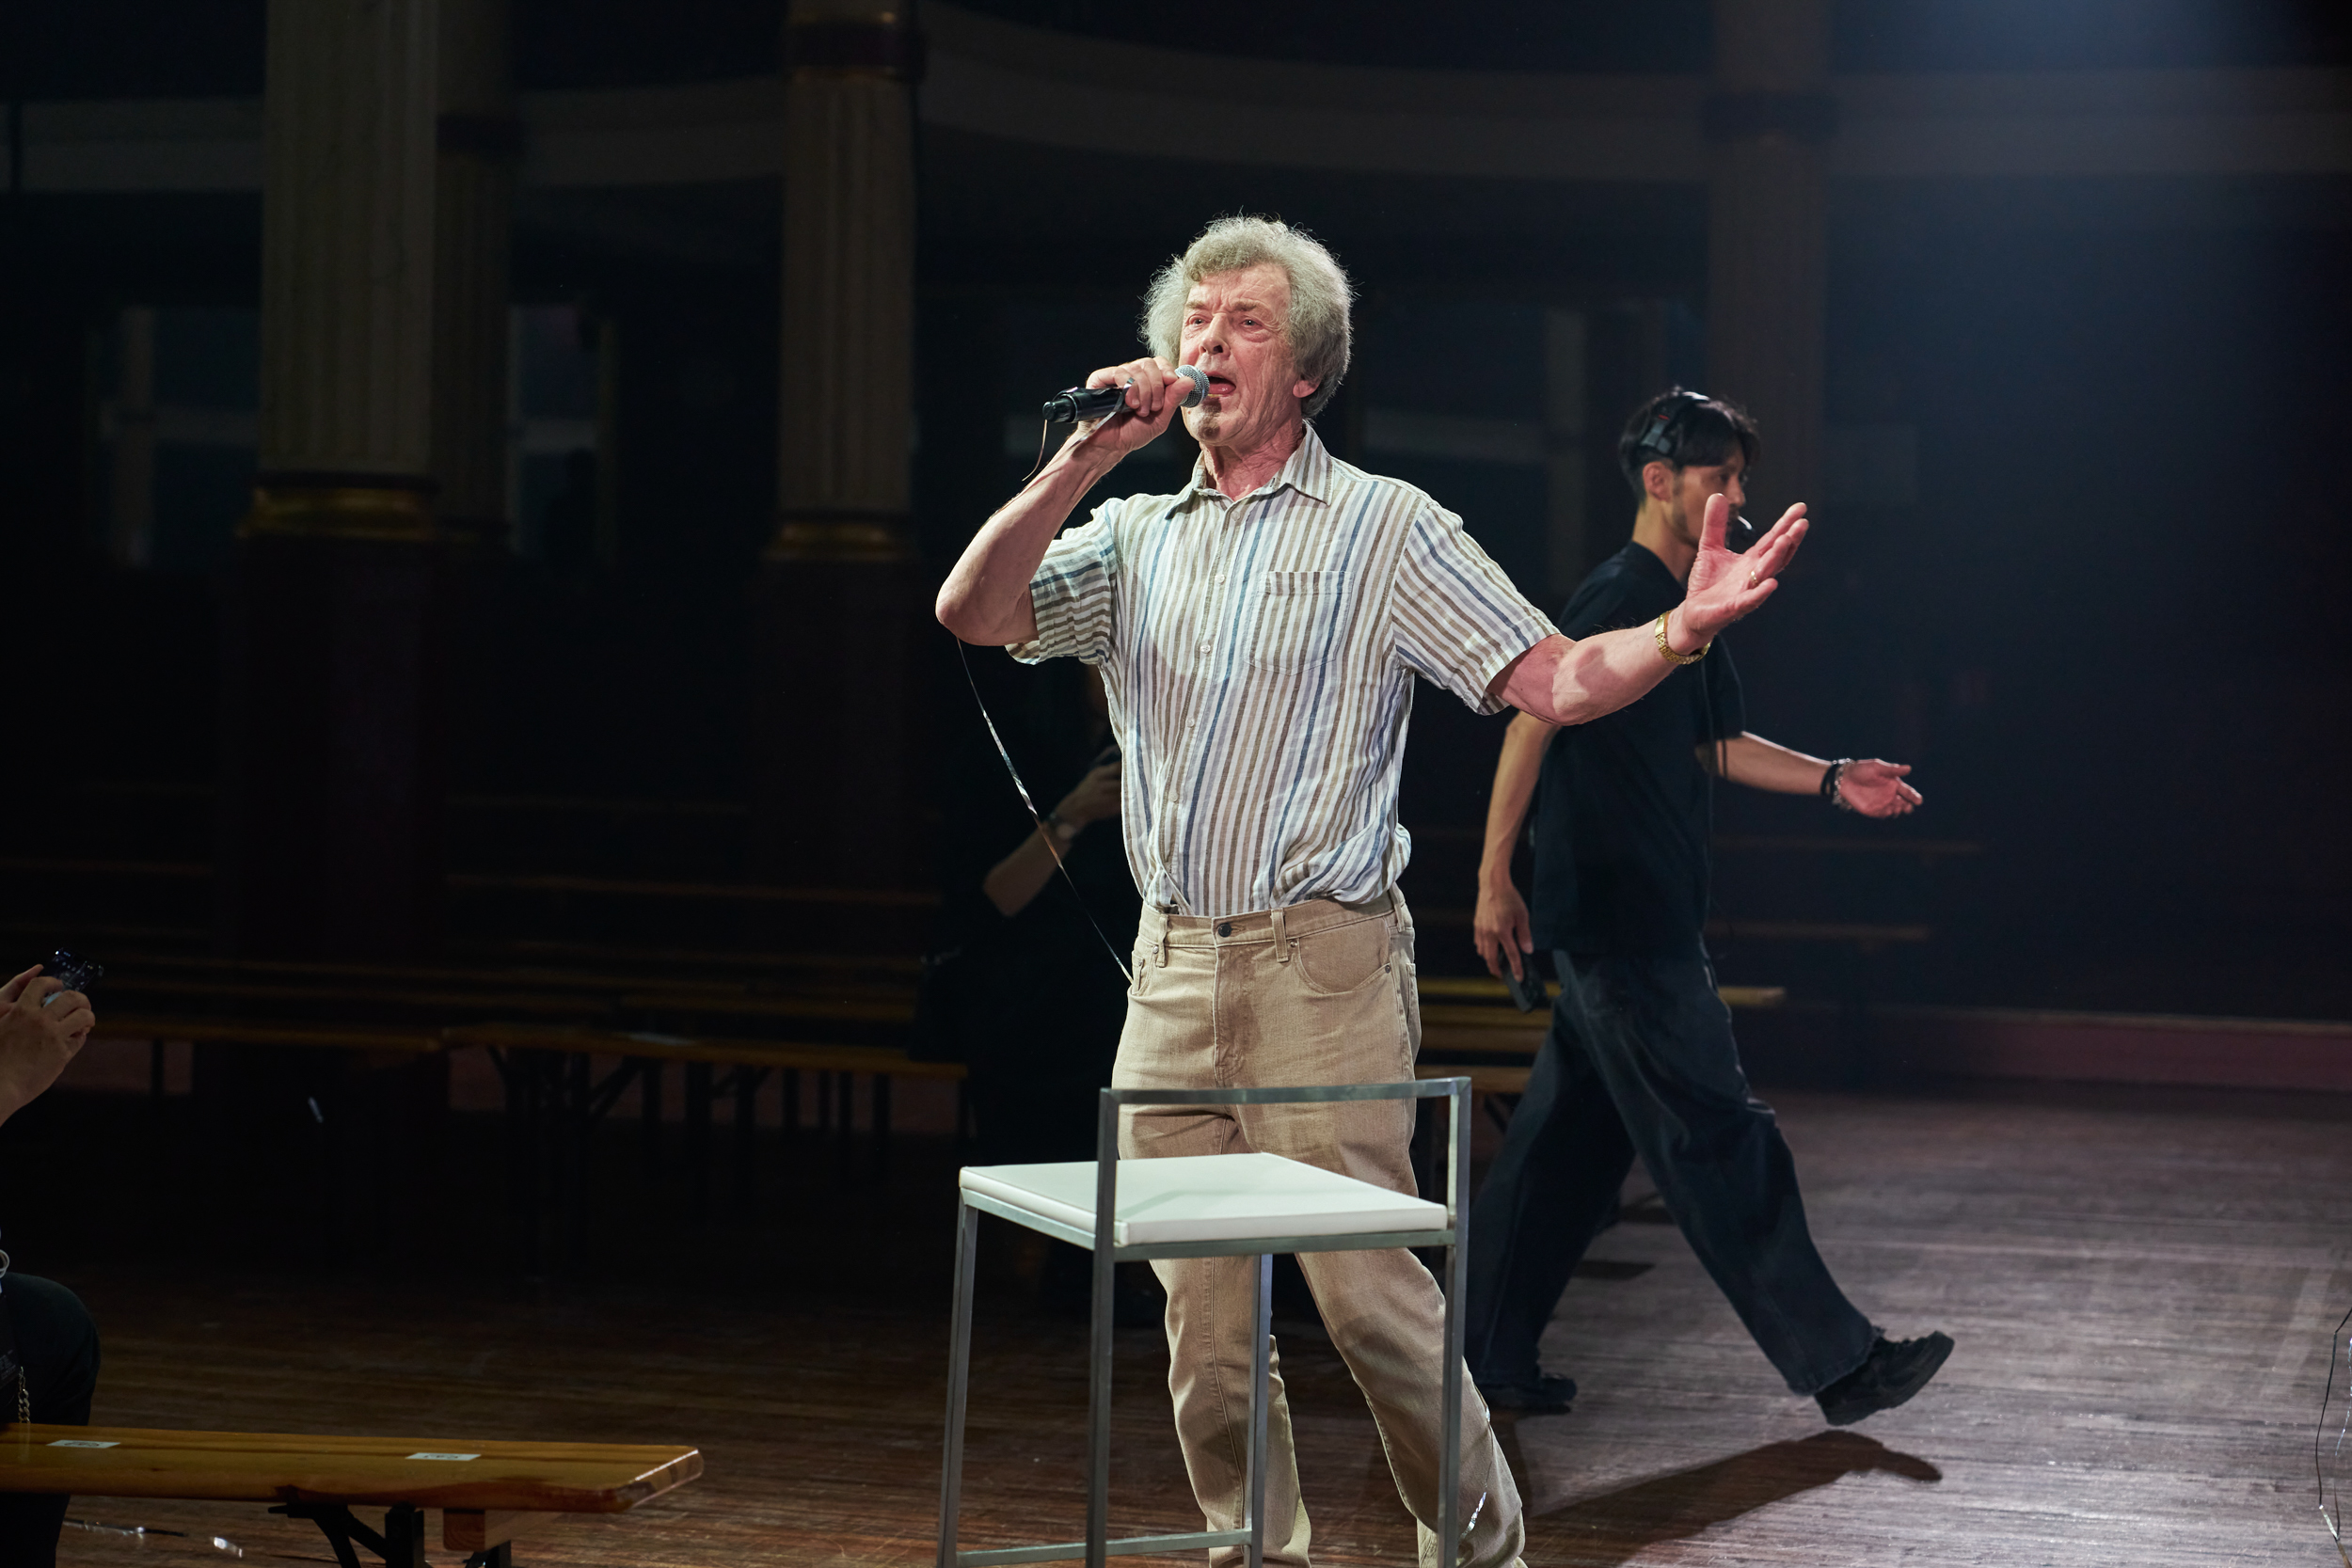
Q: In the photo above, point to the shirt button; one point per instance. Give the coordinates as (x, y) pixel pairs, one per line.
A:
(1220, 579)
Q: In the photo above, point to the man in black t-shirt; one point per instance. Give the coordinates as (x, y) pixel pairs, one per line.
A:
(1640, 1059)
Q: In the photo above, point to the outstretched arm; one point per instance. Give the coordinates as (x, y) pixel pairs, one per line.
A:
(1870, 788)
(1502, 928)
(986, 598)
(1563, 681)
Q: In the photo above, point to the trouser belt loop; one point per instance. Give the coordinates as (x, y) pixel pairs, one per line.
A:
(1161, 950)
(1281, 943)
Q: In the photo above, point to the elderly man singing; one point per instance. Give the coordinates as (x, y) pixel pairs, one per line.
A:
(1258, 633)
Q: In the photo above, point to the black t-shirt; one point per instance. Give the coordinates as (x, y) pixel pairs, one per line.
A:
(1621, 813)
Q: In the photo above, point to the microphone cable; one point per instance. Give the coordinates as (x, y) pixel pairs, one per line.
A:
(1036, 816)
(1045, 426)
(964, 655)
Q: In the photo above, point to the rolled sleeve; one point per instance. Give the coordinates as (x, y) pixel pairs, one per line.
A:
(1458, 620)
(1073, 596)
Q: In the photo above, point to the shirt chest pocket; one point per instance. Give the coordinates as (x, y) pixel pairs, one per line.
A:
(1297, 620)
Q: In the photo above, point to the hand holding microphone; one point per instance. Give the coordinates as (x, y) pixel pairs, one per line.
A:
(1144, 388)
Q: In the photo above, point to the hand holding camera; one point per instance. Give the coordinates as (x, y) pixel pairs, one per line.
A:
(1094, 797)
(43, 1020)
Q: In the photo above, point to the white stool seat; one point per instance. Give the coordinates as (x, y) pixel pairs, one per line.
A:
(1205, 1205)
(1207, 1197)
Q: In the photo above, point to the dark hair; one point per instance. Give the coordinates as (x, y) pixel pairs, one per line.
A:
(1698, 431)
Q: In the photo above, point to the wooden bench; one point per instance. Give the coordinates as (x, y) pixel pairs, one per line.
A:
(553, 1097)
(657, 974)
(1481, 988)
(642, 1053)
(376, 1046)
(440, 995)
(489, 1493)
(346, 999)
(1464, 1030)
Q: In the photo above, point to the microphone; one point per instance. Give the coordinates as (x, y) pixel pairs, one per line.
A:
(1094, 403)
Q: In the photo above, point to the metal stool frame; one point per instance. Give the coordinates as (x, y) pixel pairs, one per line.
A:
(1098, 1546)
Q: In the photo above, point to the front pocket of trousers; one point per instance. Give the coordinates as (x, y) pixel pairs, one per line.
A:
(1296, 612)
(1343, 960)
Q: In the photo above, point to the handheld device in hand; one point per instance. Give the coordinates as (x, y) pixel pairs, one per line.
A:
(79, 974)
(1527, 987)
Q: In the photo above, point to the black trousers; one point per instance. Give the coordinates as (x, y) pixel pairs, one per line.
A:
(1641, 1060)
(58, 1344)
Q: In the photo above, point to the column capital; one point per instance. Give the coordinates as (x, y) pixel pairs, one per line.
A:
(874, 39)
(384, 508)
(844, 537)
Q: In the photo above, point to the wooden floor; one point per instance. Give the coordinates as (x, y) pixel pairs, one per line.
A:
(2141, 1288)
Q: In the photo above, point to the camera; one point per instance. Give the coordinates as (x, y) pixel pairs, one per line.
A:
(77, 972)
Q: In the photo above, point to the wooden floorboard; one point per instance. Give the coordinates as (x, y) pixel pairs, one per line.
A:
(2141, 1287)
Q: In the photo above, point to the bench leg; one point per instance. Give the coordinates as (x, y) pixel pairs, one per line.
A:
(698, 1086)
(845, 1085)
(400, 1545)
(573, 1191)
(649, 1117)
(747, 1084)
(523, 1072)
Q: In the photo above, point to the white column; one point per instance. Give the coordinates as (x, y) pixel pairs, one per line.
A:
(833, 728)
(479, 138)
(347, 270)
(847, 353)
(1770, 119)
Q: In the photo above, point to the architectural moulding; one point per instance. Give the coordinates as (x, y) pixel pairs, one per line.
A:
(1017, 83)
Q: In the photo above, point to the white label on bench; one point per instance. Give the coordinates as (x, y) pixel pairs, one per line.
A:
(445, 1456)
(82, 1443)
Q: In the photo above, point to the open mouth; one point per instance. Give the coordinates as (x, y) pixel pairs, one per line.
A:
(1220, 385)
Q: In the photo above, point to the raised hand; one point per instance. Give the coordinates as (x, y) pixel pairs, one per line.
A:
(1876, 788)
(1725, 586)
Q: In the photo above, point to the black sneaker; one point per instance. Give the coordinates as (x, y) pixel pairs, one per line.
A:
(1545, 1394)
(1893, 1372)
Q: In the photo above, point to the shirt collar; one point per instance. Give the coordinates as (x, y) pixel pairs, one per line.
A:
(1307, 470)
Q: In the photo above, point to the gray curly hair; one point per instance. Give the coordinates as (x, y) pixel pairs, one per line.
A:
(1320, 292)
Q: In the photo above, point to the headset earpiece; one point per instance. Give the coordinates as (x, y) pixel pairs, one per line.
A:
(1658, 437)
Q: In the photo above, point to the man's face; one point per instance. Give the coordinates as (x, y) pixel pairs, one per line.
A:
(1686, 509)
(1236, 327)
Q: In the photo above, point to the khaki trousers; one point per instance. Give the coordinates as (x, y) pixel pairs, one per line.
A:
(1317, 993)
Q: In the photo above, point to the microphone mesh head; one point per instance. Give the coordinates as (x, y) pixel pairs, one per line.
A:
(1200, 379)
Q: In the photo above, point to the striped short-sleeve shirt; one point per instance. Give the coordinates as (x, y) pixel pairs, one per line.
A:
(1259, 655)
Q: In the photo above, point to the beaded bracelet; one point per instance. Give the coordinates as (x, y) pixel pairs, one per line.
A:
(1830, 776)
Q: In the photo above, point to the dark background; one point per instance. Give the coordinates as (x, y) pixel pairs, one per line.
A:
(2108, 630)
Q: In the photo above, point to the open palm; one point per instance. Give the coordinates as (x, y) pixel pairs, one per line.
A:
(1724, 586)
